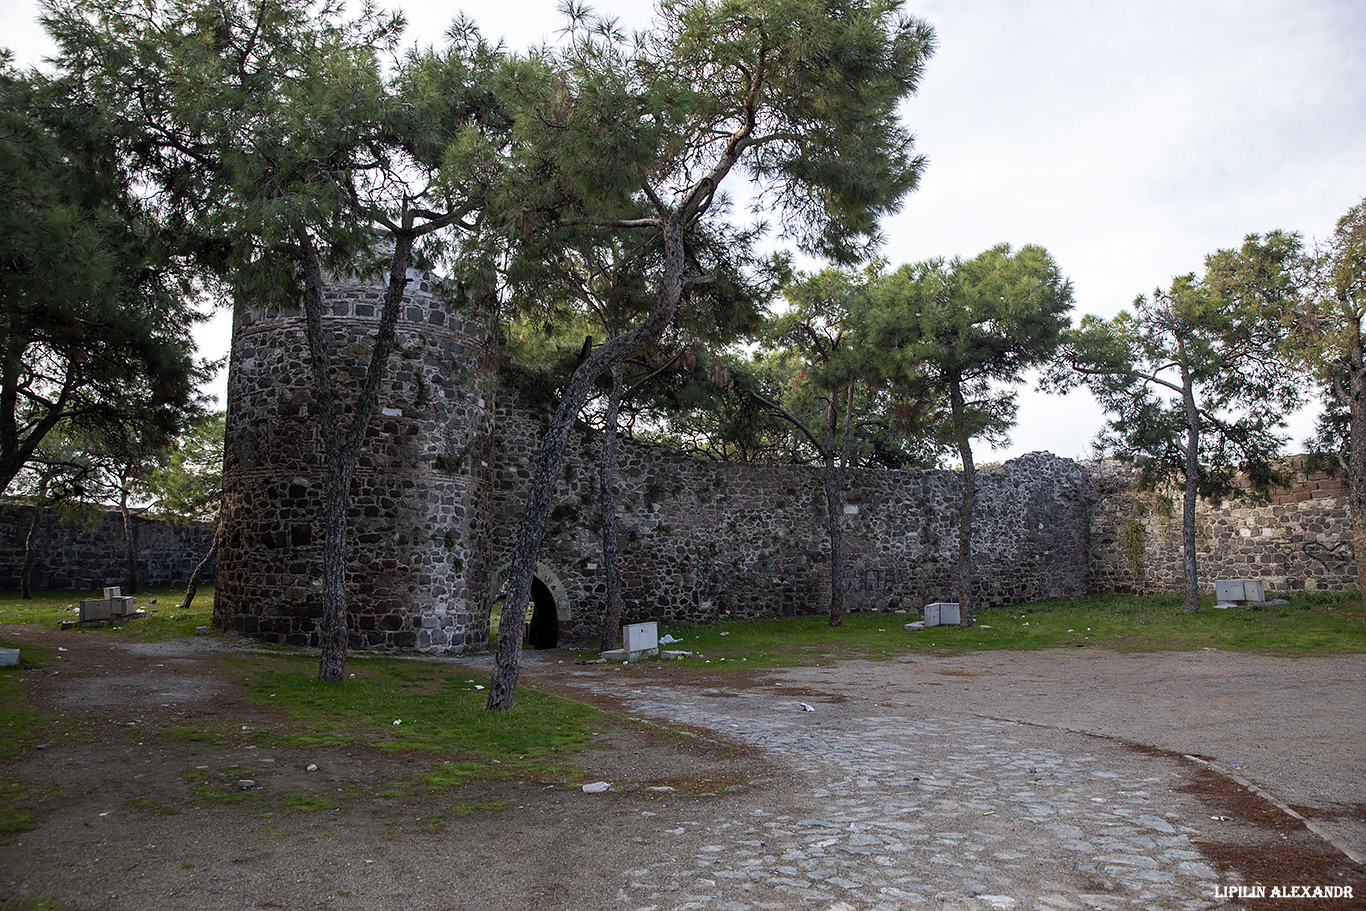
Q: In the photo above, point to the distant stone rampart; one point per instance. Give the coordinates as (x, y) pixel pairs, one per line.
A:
(76, 555)
(1300, 539)
(439, 492)
(703, 541)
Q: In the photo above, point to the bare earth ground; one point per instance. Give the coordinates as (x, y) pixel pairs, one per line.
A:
(1056, 780)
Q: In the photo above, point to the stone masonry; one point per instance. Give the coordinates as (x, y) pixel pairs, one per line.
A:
(1299, 539)
(415, 519)
(439, 492)
(88, 555)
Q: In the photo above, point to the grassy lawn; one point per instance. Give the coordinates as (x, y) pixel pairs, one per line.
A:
(437, 707)
(161, 617)
(1311, 624)
(434, 707)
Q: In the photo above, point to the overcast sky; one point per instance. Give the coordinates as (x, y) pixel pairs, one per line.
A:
(1130, 139)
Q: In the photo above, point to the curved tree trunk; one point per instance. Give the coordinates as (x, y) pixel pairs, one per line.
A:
(611, 558)
(129, 546)
(1190, 499)
(30, 553)
(967, 507)
(193, 585)
(508, 654)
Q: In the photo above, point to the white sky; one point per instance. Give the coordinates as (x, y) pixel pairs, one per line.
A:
(1130, 139)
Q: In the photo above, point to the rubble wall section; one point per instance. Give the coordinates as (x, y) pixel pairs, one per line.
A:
(1298, 540)
(79, 555)
(703, 541)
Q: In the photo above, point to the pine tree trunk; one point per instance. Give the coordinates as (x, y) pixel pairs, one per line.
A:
(967, 506)
(30, 554)
(192, 586)
(129, 547)
(334, 632)
(611, 558)
(834, 509)
(1190, 499)
(1356, 472)
(342, 446)
(508, 653)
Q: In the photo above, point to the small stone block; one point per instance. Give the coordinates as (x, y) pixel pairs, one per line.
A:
(121, 606)
(9, 657)
(915, 626)
(94, 609)
(112, 592)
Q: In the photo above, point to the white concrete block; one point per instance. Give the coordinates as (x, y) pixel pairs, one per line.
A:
(1252, 590)
(942, 613)
(640, 639)
(94, 609)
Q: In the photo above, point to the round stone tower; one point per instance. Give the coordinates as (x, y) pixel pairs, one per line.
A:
(413, 556)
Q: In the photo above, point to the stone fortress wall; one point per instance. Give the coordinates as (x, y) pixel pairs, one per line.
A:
(78, 555)
(438, 495)
(416, 516)
(1300, 539)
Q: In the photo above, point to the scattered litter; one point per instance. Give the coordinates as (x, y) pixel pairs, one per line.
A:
(659, 787)
(479, 686)
(596, 787)
(806, 707)
(725, 634)
(989, 813)
(398, 721)
(246, 784)
(312, 767)
(1222, 818)
(666, 639)
(201, 630)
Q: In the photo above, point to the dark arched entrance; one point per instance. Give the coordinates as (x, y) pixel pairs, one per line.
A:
(543, 627)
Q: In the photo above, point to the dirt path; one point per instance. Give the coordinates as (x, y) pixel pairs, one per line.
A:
(933, 783)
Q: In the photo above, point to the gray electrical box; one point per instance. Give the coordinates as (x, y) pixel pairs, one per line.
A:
(1240, 590)
(942, 613)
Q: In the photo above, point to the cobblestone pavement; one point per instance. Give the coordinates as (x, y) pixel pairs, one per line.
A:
(894, 807)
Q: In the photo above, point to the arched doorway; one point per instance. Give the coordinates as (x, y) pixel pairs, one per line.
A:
(548, 616)
(543, 621)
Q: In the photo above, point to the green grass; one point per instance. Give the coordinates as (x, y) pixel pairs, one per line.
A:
(1311, 624)
(437, 708)
(160, 620)
(19, 722)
